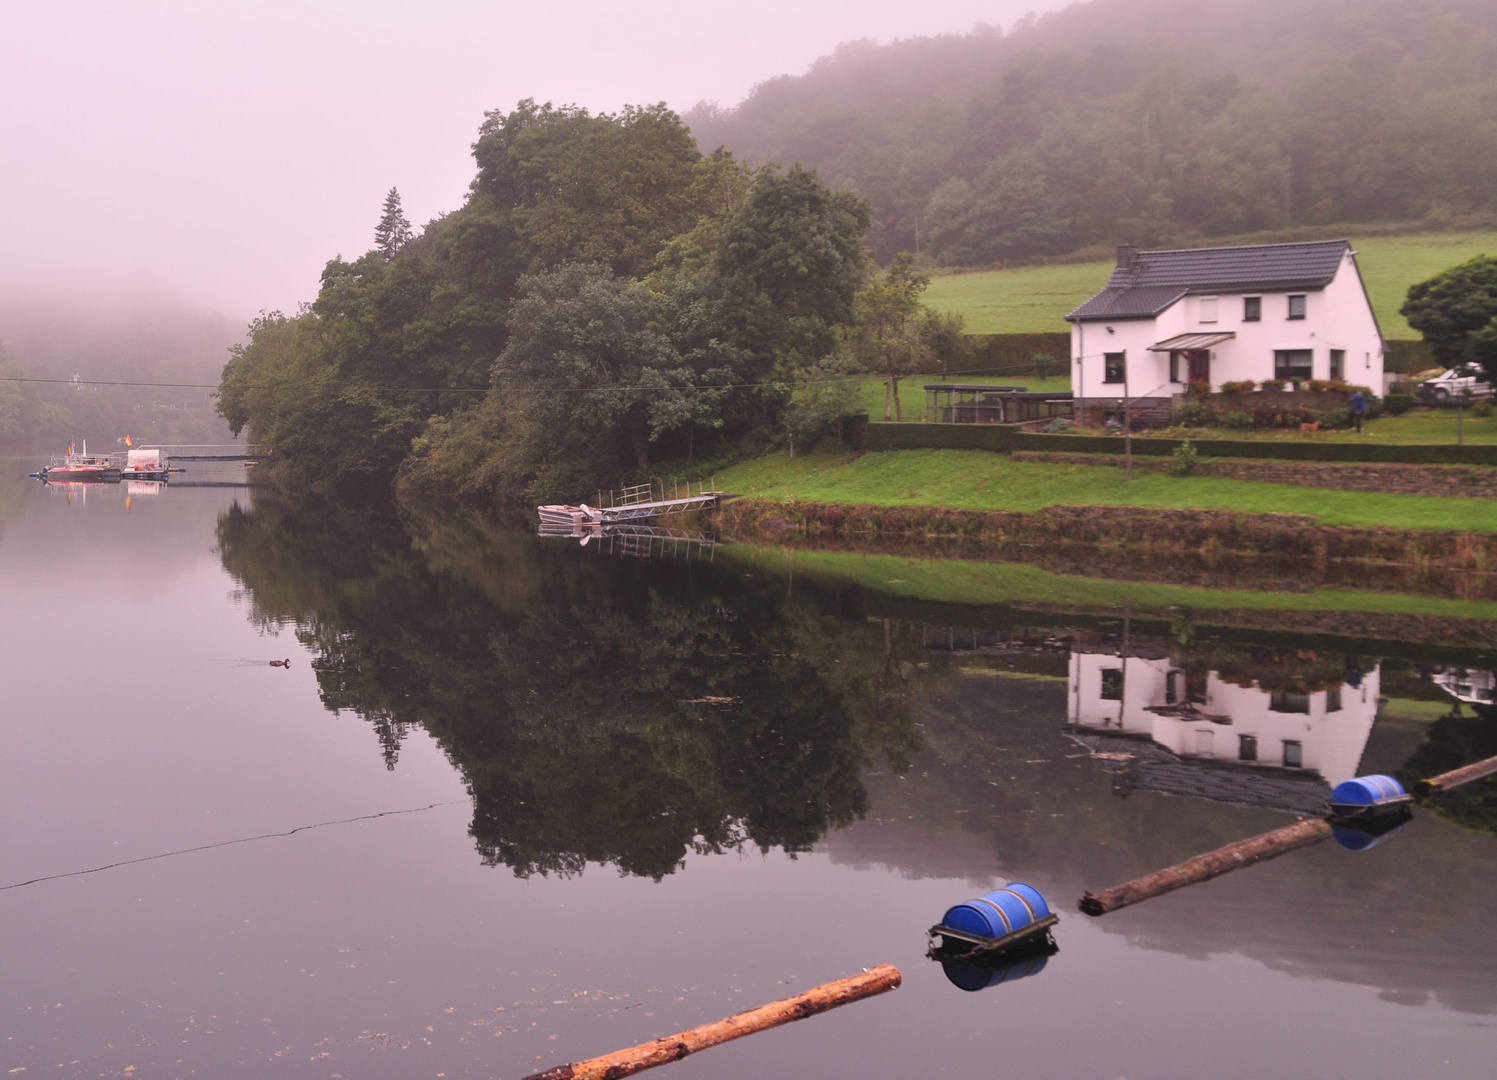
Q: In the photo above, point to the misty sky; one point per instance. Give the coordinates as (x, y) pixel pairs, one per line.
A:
(224, 151)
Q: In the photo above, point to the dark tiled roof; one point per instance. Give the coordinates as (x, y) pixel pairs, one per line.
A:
(1158, 278)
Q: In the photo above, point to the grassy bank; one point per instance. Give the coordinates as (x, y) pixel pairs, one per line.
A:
(977, 480)
(1035, 299)
(958, 581)
(1417, 427)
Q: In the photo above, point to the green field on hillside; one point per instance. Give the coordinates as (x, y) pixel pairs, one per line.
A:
(978, 480)
(1035, 299)
(912, 390)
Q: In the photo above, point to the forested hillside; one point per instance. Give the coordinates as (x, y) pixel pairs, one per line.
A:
(1149, 121)
(145, 363)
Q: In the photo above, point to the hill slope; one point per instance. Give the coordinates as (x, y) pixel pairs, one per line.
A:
(1150, 121)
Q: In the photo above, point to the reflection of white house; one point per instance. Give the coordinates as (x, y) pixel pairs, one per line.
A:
(1231, 314)
(1210, 721)
(1466, 684)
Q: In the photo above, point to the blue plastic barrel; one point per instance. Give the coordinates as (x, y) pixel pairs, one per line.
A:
(1372, 790)
(999, 913)
(975, 977)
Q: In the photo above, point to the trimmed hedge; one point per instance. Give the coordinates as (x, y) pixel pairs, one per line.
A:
(888, 436)
(1001, 438)
(1416, 454)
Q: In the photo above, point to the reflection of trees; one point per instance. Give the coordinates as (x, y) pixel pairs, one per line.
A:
(599, 711)
(1455, 740)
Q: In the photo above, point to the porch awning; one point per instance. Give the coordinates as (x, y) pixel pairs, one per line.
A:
(1185, 342)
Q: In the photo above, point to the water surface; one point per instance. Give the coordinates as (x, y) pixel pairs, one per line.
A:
(550, 801)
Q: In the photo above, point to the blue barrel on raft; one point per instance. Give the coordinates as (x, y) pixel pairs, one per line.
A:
(1367, 792)
(1002, 918)
(973, 977)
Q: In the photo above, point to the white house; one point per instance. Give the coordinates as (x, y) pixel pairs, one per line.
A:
(1213, 720)
(1228, 314)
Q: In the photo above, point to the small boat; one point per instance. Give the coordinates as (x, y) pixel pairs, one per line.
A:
(568, 516)
(84, 466)
(144, 463)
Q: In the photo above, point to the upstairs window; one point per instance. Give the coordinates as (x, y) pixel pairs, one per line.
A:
(1112, 684)
(1297, 306)
(1114, 365)
(1208, 309)
(1252, 308)
(1292, 363)
(1247, 748)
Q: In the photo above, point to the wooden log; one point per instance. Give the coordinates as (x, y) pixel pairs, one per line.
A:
(675, 1047)
(1212, 864)
(1456, 777)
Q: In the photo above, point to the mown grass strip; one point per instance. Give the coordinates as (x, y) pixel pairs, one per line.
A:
(976, 480)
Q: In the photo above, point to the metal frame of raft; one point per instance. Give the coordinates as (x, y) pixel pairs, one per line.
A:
(996, 944)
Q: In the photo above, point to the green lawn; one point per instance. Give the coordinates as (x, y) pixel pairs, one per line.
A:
(1035, 299)
(912, 390)
(1415, 427)
(977, 480)
(962, 581)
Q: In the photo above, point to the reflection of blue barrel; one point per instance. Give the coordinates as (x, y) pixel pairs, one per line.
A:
(1367, 791)
(1009, 910)
(1362, 839)
(978, 977)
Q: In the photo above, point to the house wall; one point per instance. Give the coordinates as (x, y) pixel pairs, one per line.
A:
(1331, 742)
(1337, 317)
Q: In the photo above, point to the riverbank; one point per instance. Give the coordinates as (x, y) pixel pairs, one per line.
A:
(978, 480)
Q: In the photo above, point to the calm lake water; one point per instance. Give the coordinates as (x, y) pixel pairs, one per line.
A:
(517, 802)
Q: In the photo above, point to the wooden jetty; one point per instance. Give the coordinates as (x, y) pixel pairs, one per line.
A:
(636, 504)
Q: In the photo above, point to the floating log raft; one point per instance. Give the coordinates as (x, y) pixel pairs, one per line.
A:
(1456, 777)
(675, 1047)
(1212, 864)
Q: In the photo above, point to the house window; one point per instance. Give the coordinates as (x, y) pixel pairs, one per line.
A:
(1333, 700)
(1172, 688)
(1175, 358)
(1112, 684)
(1294, 754)
(1293, 363)
(1297, 306)
(1208, 309)
(1247, 748)
(1289, 701)
(1113, 365)
(1205, 742)
(1252, 308)
(1338, 363)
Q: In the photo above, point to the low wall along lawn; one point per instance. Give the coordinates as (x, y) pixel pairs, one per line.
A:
(1005, 438)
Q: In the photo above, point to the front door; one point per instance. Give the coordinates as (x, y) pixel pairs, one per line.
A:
(1200, 365)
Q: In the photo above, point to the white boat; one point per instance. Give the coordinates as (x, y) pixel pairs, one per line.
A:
(569, 516)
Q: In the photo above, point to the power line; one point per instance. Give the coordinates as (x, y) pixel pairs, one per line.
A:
(512, 389)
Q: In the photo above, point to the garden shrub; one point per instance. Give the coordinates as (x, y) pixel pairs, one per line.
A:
(1398, 404)
(1482, 408)
(1243, 387)
(1237, 419)
(1272, 384)
(1185, 459)
(1190, 413)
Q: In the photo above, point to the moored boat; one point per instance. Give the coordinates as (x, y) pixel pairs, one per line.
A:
(85, 466)
(556, 514)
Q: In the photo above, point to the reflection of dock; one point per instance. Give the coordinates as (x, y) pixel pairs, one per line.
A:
(640, 541)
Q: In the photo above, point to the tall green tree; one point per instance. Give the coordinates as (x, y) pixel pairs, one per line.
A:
(393, 231)
(1456, 311)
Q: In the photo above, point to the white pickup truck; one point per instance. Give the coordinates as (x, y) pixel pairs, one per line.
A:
(1466, 381)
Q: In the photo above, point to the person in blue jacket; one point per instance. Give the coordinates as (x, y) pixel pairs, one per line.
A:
(1358, 405)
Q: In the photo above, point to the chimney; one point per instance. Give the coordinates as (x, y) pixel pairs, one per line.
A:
(1127, 253)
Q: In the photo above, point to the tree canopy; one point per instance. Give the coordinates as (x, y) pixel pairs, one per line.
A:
(605, 294)
(1456, 311)
(1144, 121)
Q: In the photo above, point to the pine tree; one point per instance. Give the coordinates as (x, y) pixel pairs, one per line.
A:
(393, 231)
